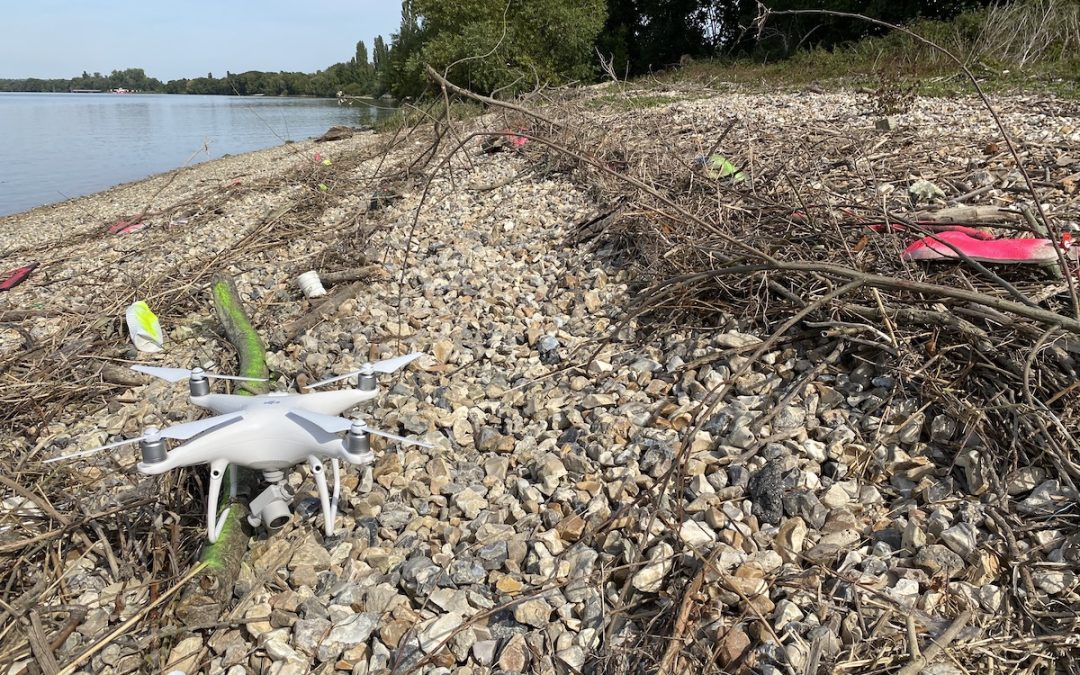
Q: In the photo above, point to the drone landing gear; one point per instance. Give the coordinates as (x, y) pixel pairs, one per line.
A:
(329, 504)
(217, 473)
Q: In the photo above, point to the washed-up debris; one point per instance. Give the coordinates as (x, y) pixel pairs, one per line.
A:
(144, 327)
(949, 245)
(511, 139)
(933, 227)
(924, 191)
(310, 284)
(121, 227)
(718, 167)
(13, 278)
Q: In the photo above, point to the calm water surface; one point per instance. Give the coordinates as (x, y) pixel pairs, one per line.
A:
(55, 146)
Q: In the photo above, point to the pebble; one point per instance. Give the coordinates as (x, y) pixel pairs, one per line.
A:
(435, 632)
(765, 490)
(650, 578)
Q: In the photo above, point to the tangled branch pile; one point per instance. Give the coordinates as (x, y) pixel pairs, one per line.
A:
(976, 364)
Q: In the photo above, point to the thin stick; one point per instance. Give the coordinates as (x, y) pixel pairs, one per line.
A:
(486, 99)
(919, 662)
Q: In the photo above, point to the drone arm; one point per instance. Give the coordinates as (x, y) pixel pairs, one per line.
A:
(213, 528)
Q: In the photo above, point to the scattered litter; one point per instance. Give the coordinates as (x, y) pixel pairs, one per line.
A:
(125, 227)
(933, 227)
(311, 285)
(717, 167)
(510, 140)
(13, 278)
(887, 124)
(924, 191)
(144, 327)
(945, 246)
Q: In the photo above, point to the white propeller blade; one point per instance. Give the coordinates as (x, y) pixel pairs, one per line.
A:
(178, 374)
(333, 425)
(384, 366)
(400, 439)
(179, 432)
(390, 365)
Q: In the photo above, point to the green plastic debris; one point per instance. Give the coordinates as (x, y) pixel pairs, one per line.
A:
(144, 328)
(718, 167)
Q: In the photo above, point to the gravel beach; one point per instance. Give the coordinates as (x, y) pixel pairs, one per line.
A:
(815, 519)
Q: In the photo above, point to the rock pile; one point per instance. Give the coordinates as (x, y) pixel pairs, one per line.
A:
(583, 494)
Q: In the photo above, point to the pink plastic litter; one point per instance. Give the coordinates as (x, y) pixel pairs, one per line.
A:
(944, 246)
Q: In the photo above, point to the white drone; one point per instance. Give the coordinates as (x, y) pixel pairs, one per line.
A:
(271, 433)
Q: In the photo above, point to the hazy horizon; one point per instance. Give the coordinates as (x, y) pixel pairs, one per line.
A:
(60, 39)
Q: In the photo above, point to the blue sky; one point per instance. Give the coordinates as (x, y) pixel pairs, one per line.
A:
(170, 39)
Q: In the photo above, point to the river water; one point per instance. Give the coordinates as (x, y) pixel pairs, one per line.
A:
(56, 146)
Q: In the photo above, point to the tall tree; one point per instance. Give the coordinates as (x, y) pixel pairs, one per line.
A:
(495, 44)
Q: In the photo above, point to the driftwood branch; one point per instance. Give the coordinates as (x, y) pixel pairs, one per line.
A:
(448, 85)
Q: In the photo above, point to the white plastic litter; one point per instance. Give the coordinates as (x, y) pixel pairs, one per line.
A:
(311, 285)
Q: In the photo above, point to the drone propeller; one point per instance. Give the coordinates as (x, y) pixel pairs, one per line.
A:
(179, 432)
(384, 366)
(334, 425)
(178, 374)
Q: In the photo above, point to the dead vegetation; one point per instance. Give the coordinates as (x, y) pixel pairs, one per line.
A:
(789, 254)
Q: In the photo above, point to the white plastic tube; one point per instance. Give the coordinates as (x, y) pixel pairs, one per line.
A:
(311, 285)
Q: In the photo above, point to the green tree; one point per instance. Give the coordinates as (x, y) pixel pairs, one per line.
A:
(494, 45)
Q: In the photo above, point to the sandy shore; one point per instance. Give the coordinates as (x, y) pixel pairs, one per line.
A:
(80, 215)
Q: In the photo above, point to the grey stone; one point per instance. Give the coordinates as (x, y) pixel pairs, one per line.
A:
(309, 633)
(434, 632)
(765, 491)
(484, 651)
(534, 613)
(940, 560)
(349, 633)
(962, 538)
(650, 578)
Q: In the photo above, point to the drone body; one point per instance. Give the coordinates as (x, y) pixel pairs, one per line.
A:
(269, 433)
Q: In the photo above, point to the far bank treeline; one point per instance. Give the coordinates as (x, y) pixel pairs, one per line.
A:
(499, 46)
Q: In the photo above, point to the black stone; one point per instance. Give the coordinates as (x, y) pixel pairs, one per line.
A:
(766, 492)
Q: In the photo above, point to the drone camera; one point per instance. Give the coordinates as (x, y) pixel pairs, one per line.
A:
(276, 514)
(271, 507)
